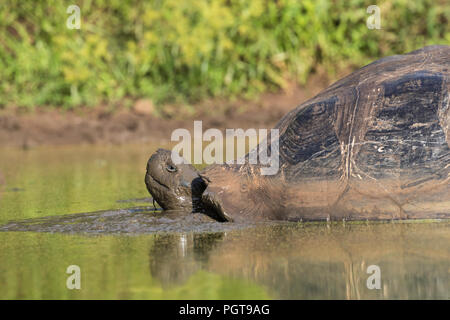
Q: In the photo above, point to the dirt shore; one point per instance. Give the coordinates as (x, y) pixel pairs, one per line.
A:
(103, 126)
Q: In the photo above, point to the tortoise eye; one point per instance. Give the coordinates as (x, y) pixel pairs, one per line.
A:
(171, 168)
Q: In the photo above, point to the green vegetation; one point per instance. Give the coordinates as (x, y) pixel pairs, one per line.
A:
(171, 50)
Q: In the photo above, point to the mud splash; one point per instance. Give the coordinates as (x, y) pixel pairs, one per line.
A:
(136, 220)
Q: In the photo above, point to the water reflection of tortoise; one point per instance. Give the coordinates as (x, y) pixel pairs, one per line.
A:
(374, 145)
(175, 257)
(315, 262)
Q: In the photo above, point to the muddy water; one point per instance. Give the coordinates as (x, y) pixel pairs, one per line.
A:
(88, 206)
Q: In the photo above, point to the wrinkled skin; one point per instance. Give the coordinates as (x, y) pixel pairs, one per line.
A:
(225, 193)
(173, 187)
(182, 188)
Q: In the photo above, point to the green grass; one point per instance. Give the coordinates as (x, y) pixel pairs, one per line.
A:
(183, 51)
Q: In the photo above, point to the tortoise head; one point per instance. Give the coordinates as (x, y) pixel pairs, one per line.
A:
(173, 186)
(180, 187)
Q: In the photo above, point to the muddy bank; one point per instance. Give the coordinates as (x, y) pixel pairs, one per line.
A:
(104, 125)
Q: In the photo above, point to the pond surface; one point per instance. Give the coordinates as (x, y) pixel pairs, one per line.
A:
(88, 206)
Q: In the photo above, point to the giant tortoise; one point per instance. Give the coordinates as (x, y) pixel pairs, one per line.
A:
(372, 146)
